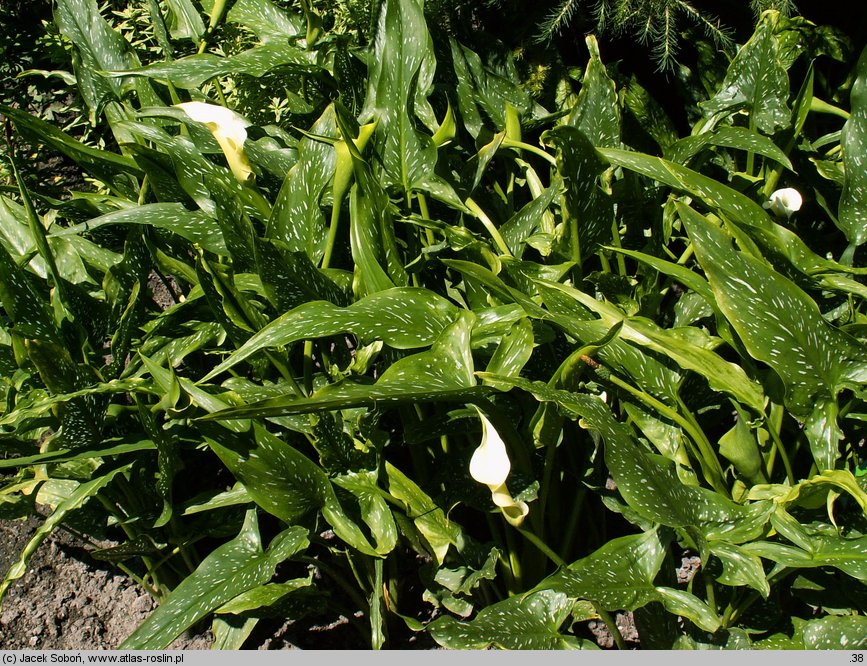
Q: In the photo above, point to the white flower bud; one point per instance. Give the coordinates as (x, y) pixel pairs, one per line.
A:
(490, 465)
(229, 129)
(784, 202)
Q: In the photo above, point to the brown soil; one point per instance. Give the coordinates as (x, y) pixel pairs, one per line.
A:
(69, 601)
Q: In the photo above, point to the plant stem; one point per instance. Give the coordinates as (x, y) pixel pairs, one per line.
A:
(613, 629)
(489, 225)
(707, 459)
(542, 547)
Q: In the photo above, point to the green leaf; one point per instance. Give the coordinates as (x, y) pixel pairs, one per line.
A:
(621, 574)
(111, 448)
(847, 632)
(740, 567)
(194, 70)
(780, 325)
(229, 570)
(231, 632)
(687, 346)
(401, 68)
(483, 94)
(266, 20)
(431, 521)
(296, 219)
(23, 304)
(110, 168)
(523, 622)
(852, 214)
(617, 576)
(287, 484)
(756, 80)
(445, 372)
(775, 239)
(263, 596)
(195, 226)
(184, 21)
(741, 138)
(587, 208)
(650, 485)
(403, 318)
(278, 477)
(596, 112)
(514, 350)
(739, 446)
(368, 217)
(374, 510)
(100, 49)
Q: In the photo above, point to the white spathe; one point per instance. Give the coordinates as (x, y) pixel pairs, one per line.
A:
(490, 465)
(230, 131)
(784, 202)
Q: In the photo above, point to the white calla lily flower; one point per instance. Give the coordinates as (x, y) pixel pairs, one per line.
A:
(490, 465)
(784, 202)
(230, 131)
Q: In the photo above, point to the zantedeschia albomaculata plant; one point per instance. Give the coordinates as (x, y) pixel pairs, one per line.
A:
(490, 465)
(784, 202)
(230, 131)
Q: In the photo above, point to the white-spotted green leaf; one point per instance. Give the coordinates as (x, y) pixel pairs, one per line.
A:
(373, 508)
(852, 213)
(588, 209)
(431, 521)
(184, 21)
(266, 20)
(68, 455)
(597, 111)
(844, 632)
(740, 447)
(110, 168)
(741, 138)
(774, 238)
(650, 485)
(229, 570)
(401, 69)
(22, 302)
(195, 226)
(621, 574)
(287, 484)
(296, 219)
(444, 372)
(231, 632)
(368, 214)
(740, 567)
(483, 94)
(275, 475)
(191, 166)
(780, 325)
(524, 622)
(262, 596)
(403, 318)
(523, 224)
(756, 80)
(98, 49)
(514, 350)
(194, 70)
(689, 347)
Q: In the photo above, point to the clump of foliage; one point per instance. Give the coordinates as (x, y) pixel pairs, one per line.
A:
(420, 318)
